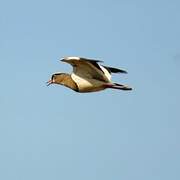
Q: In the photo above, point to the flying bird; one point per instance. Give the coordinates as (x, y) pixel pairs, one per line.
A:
(87, 76)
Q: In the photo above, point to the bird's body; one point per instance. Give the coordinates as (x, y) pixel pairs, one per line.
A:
(88, 84)
(87, 76)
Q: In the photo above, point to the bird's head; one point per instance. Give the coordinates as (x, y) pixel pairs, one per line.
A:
(55, 79)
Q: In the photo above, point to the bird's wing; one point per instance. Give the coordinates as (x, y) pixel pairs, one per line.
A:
(106, 72)
(87, 68)
(114, 70)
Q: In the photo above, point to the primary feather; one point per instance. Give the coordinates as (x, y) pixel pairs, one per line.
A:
(115, 70)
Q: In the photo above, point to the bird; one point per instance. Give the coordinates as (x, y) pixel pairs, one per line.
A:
(88, 76)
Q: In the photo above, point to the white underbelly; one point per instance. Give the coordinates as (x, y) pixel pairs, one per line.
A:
(88, 85)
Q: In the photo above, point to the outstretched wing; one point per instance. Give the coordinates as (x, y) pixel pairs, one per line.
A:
(114, 70)
(86, 68)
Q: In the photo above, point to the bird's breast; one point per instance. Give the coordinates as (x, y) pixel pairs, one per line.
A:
(87, 84)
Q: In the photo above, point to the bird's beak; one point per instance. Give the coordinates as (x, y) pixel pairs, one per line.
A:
(63, 60)
(49, 82)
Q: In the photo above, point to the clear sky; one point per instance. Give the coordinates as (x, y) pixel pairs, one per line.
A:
(55, 133)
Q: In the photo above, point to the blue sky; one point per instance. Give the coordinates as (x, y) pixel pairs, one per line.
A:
(55, 133)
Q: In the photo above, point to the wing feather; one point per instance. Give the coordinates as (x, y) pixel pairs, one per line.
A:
(87, 68)
(115, 70)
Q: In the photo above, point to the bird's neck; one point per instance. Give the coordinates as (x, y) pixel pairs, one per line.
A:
(66, 80)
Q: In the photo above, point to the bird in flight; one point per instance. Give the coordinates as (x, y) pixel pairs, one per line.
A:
(87, 76)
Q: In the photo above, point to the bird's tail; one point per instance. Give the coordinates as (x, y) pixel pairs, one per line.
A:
(119, 86)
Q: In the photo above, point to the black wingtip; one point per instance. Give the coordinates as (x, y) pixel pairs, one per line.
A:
(122, 71)
(115, 70)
